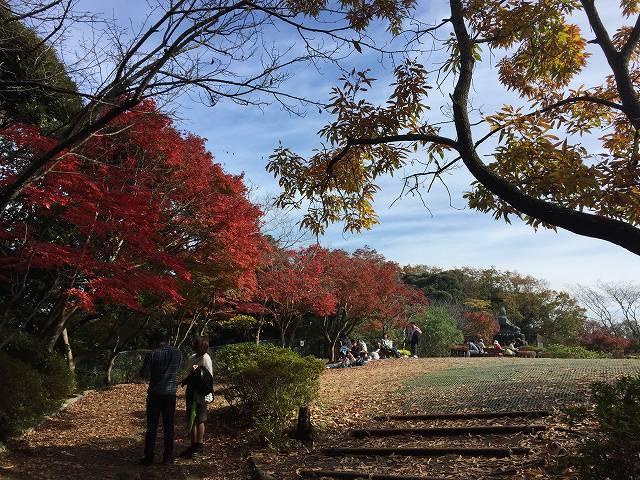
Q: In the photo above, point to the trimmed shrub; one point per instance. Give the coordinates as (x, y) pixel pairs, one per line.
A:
(57, 380)
(439, 332)
(531, 348)
(35, 382)
(267, 384)
(614, 451)
(23, 399)
(564, 351)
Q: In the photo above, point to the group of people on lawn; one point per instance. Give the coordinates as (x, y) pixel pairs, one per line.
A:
(161, 367)
(355, 353)
(478, 348)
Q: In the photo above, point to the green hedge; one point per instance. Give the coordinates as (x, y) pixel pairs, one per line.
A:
(564, 351)
(613, 451)
(35, 382)
(24, 397)
(267, 383)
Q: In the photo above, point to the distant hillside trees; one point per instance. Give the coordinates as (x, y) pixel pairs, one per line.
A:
(530, 303)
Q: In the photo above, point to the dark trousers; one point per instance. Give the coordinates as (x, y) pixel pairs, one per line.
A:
(157, 405)
(415, 341)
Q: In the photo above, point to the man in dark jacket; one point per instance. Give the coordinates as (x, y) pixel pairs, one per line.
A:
(161, 368)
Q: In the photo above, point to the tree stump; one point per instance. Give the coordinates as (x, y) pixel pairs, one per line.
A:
(304, 428)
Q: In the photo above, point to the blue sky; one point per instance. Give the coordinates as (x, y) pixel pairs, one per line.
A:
(241, 138)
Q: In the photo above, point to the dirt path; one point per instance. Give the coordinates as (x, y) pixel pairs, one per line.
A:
(102, 435)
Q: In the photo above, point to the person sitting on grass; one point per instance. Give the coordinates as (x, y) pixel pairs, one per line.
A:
(497, 348)
(356, 348)
(344, 341)
(346, 355)
(511, 350)
(345, 358)
(361, 360)
(480, 344)
(472, 348)
(387, 348)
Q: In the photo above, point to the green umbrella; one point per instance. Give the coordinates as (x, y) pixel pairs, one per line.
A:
(192, 415)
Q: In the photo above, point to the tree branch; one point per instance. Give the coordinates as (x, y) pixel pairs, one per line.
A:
(631, 42)
(614, 231)
(617, 62)
(407, 137)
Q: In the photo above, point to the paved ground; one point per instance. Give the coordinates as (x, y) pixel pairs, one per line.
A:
(511, 384)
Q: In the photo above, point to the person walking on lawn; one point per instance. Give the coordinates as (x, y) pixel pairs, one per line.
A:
(160, 367)
(413, 334)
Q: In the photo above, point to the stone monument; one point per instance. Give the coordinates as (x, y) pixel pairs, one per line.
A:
(508, 331)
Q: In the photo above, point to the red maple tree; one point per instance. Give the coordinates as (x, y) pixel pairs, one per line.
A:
(367, 288)
(476, 325)
(139, 216)
(292, 286)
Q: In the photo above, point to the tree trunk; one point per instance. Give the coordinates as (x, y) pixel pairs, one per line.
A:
(68, 351)
(57, 326)
(110, 363)
(292, 334)
(258, 333)
(332, 350)
(304, 428)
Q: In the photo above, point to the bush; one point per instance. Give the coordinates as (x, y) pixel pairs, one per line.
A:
(57, 380)
(267, 383)
(127, 365)
(35, 382)
(439, 332)
(564, 351)
(24, 397)
(477, 325)
(614, 451)
(602, 340)
(531, 348)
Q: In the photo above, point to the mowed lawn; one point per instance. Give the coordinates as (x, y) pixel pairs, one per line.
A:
(512, 383)
(101, 435)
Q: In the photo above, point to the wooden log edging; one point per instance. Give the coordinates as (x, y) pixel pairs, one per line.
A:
(539, 462)
(428, 451)
(367, 475)
(466, 416)
(258, 473)
(448, 431)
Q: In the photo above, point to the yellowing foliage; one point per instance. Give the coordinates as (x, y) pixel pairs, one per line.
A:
(572, 147)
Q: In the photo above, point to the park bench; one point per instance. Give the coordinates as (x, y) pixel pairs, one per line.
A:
(526, 354)
(463, 351)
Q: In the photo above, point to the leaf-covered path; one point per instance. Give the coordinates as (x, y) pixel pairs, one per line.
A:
(101, 436)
